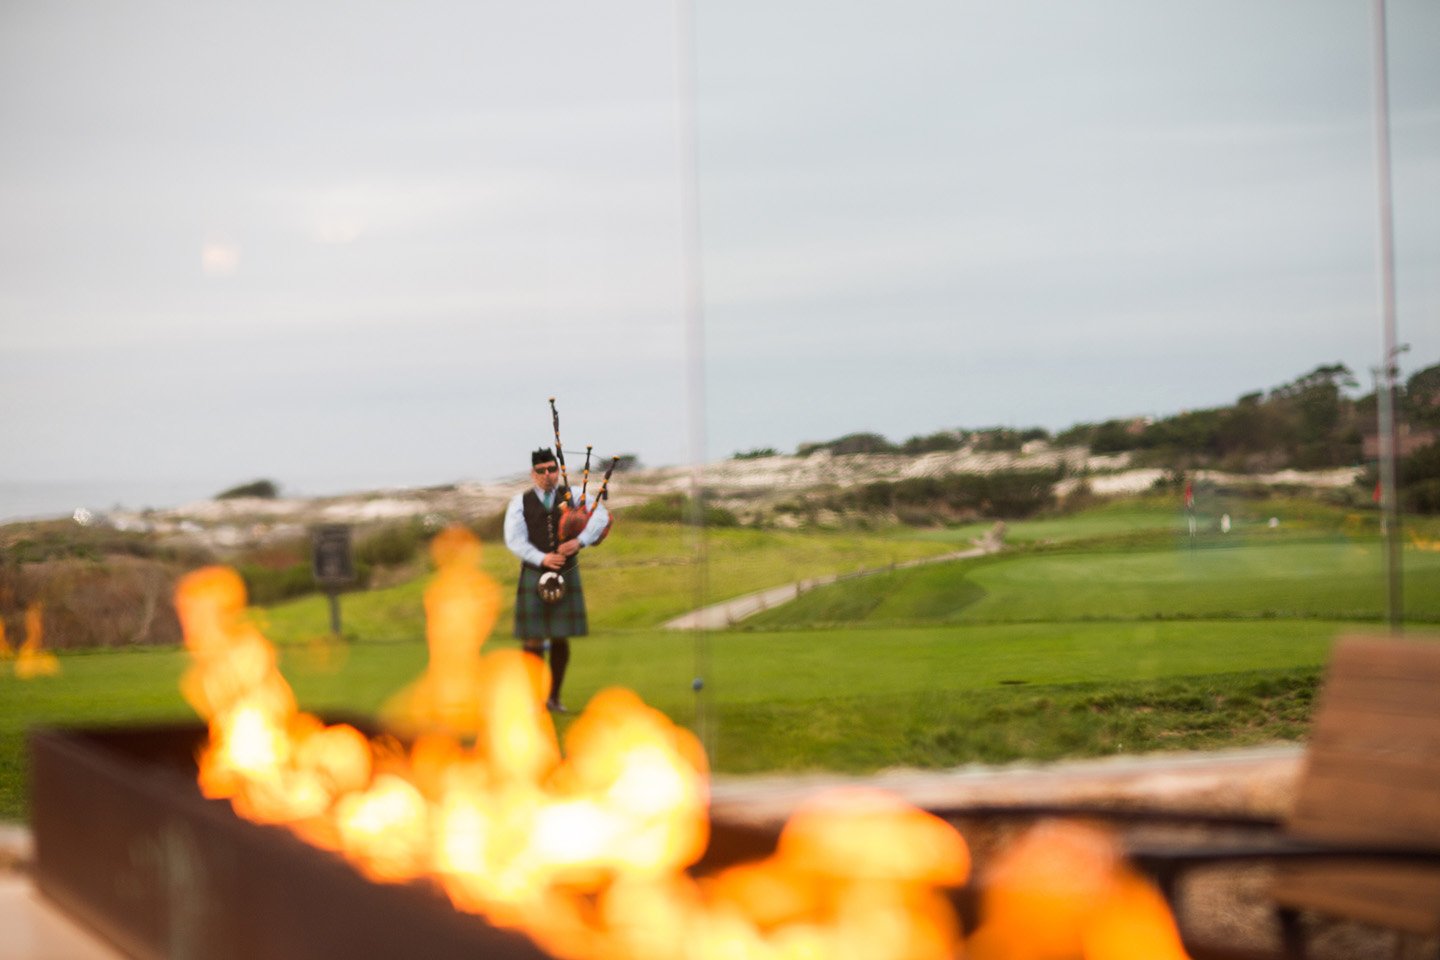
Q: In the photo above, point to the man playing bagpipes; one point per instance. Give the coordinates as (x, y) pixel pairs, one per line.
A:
(541, 529)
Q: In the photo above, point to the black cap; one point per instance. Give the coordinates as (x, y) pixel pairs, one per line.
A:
(543, 455)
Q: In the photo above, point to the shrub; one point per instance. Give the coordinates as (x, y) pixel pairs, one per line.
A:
(392, 544)
(850, 443)
(1112, 436)
(1080, 434)
(266, 489)
(678, 508)
(266, 585)
(120, 601)
(1423, 496)
(936, 442)
(1004, 439)
(1007, 493)
(63, 539)
(490, 528)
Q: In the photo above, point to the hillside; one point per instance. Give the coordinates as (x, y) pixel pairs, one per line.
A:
(1307, 434)
(1306, 437)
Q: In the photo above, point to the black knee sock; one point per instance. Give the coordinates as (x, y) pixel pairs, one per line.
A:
(559, 660)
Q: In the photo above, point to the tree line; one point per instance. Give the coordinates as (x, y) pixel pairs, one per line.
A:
(1315, 421)
(1310, 422)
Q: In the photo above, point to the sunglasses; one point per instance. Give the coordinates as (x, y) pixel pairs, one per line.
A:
(550, 469)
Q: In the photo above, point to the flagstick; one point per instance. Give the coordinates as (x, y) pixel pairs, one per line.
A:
(1190, 511)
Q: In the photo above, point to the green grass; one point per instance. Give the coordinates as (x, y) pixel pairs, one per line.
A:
(1120, 518)
(1100, 633)
(641, 576)
(790, 700)
(1337, 580)
(133, 686)
(928, 729)
(962, 659)
(1163, 518)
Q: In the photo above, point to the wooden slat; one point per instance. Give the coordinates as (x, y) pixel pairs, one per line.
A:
(1372, 775)
(1379, 698)
(1348, 788)
(1376, 813)
(1362, 656)
(1377, 734)
(1405, 898)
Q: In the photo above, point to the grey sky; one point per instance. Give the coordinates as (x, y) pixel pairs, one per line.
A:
(334, 244)
(345, 245)
(1043, 213)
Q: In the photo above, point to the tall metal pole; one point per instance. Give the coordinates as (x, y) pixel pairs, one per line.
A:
(687, 99)
(1389, 505)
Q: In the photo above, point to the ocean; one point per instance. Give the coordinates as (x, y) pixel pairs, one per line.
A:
(30, 500)
(36, 500)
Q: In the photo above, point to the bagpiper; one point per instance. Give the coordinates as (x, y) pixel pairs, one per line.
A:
(543, 529)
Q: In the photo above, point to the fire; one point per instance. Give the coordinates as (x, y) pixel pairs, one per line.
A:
(32, 661)
(587, 849)
(1093, 906)
(461, 605)
(856, 874)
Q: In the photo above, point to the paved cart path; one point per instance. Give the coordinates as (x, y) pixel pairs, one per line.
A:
(718, 616)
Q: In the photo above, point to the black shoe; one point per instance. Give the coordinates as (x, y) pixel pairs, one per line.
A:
(555, 706)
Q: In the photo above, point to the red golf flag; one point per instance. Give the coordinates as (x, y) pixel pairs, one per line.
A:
(1189, 495)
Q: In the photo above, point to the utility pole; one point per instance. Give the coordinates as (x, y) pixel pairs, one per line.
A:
(1385, 399)
(1388, 437)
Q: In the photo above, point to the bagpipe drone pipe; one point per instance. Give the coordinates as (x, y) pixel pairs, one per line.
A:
(574, 516)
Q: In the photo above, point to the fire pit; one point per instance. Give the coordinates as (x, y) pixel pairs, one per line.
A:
(126, 843)
(270, 832)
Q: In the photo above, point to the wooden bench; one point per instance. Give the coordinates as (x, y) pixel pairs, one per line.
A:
(1371, 777)
(1362, 839)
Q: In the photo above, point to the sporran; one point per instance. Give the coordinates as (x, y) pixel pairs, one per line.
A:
(551, 587)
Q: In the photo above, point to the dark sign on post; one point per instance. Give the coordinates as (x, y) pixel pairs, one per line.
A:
(333, 563)
(333, 560)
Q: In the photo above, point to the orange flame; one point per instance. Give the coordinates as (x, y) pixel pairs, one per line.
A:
(32, 661)
(1062, 891)
(587, 850)
(461, 605)
(856, 873)
(505, 823)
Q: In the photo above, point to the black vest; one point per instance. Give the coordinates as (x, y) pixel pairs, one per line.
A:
(542, 526)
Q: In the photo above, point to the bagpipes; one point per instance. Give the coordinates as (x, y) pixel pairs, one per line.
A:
(575, 516)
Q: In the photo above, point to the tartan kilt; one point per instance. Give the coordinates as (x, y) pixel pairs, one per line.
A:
(536, 618)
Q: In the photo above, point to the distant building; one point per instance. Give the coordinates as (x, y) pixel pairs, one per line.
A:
(1407, 441)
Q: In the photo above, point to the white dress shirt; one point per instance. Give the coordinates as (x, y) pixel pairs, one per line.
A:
(517, 537)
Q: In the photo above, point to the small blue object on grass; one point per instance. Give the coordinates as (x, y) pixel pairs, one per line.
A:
(697, 684)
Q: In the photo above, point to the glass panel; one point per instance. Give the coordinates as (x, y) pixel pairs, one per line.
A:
(1074, 281)
(350, 255)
